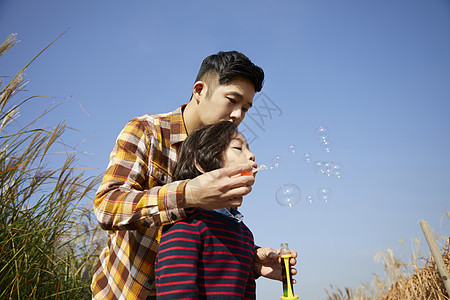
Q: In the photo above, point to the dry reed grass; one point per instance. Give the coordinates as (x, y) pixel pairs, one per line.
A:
(417, 279)
(48, 241)
(424, 282)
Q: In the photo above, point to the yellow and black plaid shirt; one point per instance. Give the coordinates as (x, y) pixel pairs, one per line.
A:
(136, 197)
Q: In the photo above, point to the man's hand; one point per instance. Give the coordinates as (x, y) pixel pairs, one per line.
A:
(220, 188)
(267, 263)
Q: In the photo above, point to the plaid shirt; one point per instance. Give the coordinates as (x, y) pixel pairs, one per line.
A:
(136, 197)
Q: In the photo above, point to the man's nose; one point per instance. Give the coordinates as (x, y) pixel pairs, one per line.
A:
(237, 115)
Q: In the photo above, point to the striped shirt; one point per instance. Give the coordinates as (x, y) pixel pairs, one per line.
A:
(136, 197)
(207, 256)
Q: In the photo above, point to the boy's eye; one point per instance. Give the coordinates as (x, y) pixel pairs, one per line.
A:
(231, 100)
(238, 148)
(244, 109)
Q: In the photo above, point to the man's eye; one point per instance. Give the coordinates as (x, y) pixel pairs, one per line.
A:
(244, 109)
(231, 100)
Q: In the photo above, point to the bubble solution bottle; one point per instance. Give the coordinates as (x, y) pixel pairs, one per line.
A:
(288, 289)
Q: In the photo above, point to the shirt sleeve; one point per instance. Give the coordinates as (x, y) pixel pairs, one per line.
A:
(250, 288)
(177, 262)
(130, 195)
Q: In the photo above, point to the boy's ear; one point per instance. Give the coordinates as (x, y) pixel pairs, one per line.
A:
(198, 167)
(199, 90)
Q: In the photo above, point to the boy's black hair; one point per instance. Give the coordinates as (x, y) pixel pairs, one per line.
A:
(204, 146)
(230, 65)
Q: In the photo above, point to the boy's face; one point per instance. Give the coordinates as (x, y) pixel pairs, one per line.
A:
(238, 152)
(228, 102)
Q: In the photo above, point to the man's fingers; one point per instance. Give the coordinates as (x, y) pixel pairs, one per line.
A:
(235, 202)
(235, 170)
(218, 188)
(236, 192)
(240, 181)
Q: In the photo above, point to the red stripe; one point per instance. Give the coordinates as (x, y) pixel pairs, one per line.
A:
(179, 239)
(227, 237)
(229, 231)
(177, 256)
(223, 284)
(224, 277)
(177, 292)
(177, 266)
(228, 262)
(180, 230)
(210, 215)
(177, 282)
(213, 221)
(220, 293)
(181, 274)
(178, 248)
(224, 269)
(226, 253)
(230, 246)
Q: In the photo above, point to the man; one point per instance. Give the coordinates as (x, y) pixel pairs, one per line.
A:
(137, 194)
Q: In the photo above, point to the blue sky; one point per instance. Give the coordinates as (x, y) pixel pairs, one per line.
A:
(376, 73)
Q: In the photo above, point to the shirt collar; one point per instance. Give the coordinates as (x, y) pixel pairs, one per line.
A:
(178, 132)
(232, 213)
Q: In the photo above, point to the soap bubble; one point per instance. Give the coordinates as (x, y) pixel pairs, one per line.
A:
(288, 195)
(317, 166)
(322, 133)
(324, 194)
(310, 199)
(307, 157)
(275, 162)
(327, 168)
(292, 149)
(338, 170)
(326, 145)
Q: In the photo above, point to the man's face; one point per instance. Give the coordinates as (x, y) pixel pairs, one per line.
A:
(228, 102)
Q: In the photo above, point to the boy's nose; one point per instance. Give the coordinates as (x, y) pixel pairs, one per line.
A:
(251, 156)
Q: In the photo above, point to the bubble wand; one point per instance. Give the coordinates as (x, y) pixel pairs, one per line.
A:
(288, 289)
(262, 167)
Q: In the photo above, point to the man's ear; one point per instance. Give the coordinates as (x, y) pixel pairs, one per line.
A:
(199, 90)
(198, 167)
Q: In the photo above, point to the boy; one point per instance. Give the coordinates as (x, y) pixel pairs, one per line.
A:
(209, 255)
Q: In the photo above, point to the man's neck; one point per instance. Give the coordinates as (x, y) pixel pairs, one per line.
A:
(190, 117)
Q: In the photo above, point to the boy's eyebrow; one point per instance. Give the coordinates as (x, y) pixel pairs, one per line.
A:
(243, 141)
(236, 94)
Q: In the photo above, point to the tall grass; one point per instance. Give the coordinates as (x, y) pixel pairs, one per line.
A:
(417, 278)
(48, 242)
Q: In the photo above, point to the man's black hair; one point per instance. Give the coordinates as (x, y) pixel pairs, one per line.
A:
(229, 65)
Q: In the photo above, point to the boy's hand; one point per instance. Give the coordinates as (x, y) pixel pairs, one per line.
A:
(219, 188)
(267, 263)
